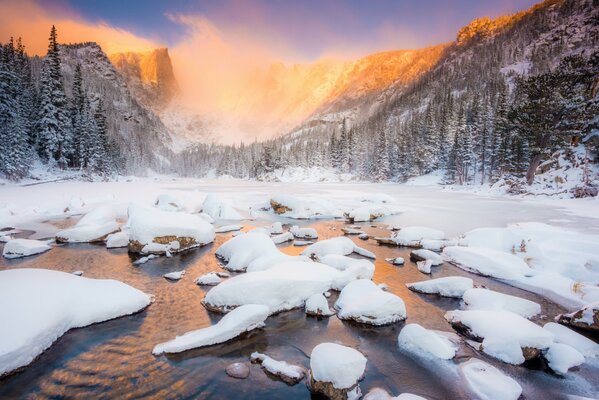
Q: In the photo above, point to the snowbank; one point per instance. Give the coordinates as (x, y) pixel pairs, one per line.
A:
(16, 248)
(485, 299)
(93, 227)
(155, 231)
(217, 208)
(339, 245)
(487, 382)
(335, 371)
(450, 286)
(363, 301)
(487, 262)
(416, 339)
(238, 321)
(45, 304)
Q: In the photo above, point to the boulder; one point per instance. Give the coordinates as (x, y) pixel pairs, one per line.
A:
(585, 318)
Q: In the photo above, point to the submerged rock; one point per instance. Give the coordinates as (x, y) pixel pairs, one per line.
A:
(238, 370)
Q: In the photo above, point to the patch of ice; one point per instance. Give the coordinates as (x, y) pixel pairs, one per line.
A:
(293, 207)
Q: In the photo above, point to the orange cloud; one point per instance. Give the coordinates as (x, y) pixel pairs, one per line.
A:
(32, 22)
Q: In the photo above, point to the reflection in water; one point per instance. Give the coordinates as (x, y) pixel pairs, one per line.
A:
(114, 359)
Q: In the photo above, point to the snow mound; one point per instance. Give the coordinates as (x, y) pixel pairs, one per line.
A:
(289, 373)
(303, 233)
(417, 339)
(423, 255)
(174, 276)
(344, 262)
(317, 305)
(339, 365)
(276, 228)
(564, 335)
(282, 238)
(504, 334)
(93, 227)
(240, 252)
(363, 301)
(155, 231)
(424, 266)
(238, 321)
(16, 248)
(217, 208)
(209, 279)
(283, 287)
(168, 202)
(562, 357)
(450, 286)
(116, 240)
(396, 260)
(292, 207)
(45, 304)
(412, 236)
(340, 245)
(487, 382)
(487, 262)
(370, 212)
(485, 299)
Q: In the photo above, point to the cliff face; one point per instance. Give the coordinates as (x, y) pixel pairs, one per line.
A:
(149, 75)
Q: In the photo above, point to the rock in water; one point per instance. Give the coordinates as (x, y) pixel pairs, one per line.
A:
(238, 370)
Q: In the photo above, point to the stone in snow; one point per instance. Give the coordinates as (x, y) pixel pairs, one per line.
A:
(303, 233)
(363, 236)
(485, 299)
(238, 370)
(450, 286)
(16, 248)
(352, 231)
(228, 228)
(45, 304)
(486, 382)
(288, 373)
(396, 260)
(238, 321)
(318, 306)
(424, 266)
(209, 279)
(419, 340)
(77, 273)
(340, 245)
(423, 255)
(174, 276)
(363, 301)
(565, 335)
(118, 239)
(335, 371)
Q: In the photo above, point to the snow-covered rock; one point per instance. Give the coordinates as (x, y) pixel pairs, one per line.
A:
(340, 245)
(352, 231)
(145, 259)
(301, 243)
(303, 233)
(450, 286)
(288, 373)
(396, 260)
(16, 248)
(168, 202)
(157, 232)
(423, 255)
(217, 208)
(424, 266)
(240, 251)
(565, 335)
(381, 394)
(370, 212)
(417, 339)
(282, 287)
(412, 236)
(585, 318)
(44, 304)
(174, 276)
(485, 299)
(344, 262)
(292, 207)
(209, 279)
(118, 239)
(561, 357)
(504, 334)
(282, 238)
(276, 228)
(437, 245)
(487, 262)
(93, 227)
(318, 306)
(335, 371)
(487, 382)
(363, 301)
(228, 228)
(238, 321)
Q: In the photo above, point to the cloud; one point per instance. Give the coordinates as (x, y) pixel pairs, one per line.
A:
(32, 23)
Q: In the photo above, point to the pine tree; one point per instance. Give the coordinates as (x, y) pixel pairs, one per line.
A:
(381, 159)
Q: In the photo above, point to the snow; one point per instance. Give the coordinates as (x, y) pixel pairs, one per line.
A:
(487, 382)
(16, 248)
(119, 239)
(282, 238)
(485, 299)
(396, 260)
(282, 287)
(288, 372)
(300, 243)
(45, 304)
(276, 228)
(217, 208)
(413, 236)
(344, 262)
(583, 318)
(565, 335)
(504, 333)
(305, 208)
(317, 304)
(174, 276)
(340, 365)
(94, 226)
(303, 233)
(437, 245)
(228, 228)
(146, 224)
(168, 202)
(340, 245)
(238, 321)
(145, 259)
(424, 266)
(487, 262)
(209, 279)
(419, 340)
(381, 394)
(420, 254)
(562, 357)
(370, 212)
(241, 251)
(363, 301)
(449, 286)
